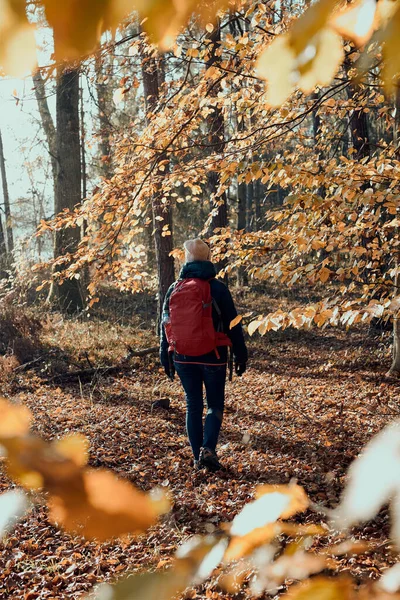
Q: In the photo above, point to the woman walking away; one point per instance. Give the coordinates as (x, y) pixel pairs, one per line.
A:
(195, 337)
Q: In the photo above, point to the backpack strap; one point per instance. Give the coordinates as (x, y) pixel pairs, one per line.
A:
(217, 309)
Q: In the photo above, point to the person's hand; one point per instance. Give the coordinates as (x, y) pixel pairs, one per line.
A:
(240, 368)
(169, 371)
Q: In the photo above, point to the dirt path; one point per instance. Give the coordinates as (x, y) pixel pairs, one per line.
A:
(303, 410)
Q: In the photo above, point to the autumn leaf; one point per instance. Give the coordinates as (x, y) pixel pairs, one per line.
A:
(284, 69)
(324, 274)
(310, 23)
(99, 505)
(95, 503)
(276, 65)
(321, 587)
(253, 326)
(195, 560)
(392, 51)
(74, 446)
(235, 321)
(298, 500)
(241, 546)
(15, 420)
(370, 486)
(321, 60)
(146, 586)
(13, 506)
(356, 22)
(18, 45)
(262, 511)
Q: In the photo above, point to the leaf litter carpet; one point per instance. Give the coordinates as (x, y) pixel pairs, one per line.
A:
(303, 410)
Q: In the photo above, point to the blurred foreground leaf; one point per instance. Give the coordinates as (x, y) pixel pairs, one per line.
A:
(93, 503)
(321, 588)
(194, 563)
(13, 506)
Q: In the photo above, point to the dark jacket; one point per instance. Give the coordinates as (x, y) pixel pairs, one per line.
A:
(222, 296)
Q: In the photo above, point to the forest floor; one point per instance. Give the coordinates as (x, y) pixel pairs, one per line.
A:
(307, 404)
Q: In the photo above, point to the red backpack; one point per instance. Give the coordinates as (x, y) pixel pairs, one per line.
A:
(190, 328)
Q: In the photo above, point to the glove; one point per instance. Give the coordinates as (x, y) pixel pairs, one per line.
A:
(240, 369)
(170, 371)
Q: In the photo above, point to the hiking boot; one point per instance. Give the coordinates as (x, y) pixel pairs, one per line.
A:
(209, 460)
(196, 465)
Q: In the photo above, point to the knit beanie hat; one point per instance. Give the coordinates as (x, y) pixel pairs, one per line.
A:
(196, 250)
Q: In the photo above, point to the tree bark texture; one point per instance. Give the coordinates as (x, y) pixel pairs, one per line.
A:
(6, 198)
(216, 127)
(104, 119)
(68, 183)
(395, 366)
(359, 127)
(47, 122)
(3, 247)
(161, 212)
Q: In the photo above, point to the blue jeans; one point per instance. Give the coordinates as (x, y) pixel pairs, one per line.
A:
(192, 378)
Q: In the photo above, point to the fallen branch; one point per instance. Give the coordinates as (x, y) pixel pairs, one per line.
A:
(29, 364)
(85, 373)
(132, 352)
(93, 371)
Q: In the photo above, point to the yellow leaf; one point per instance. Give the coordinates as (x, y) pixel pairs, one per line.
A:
(392, 51)
(324, 274)
(293, 530)
(101, 506)
(253, 326)
(241, 546)
(315, 65)
(94, 503)
(275, 65)
(357, 22)
(18, 57)
(15, 420)
(235, 321)
(348, 547)
(320, 588)
(118, 96)
(298, 498)
(76, 28)
(328, 48)
(75, 447)
(311, 22)
(13, 506)
(145, 586)
(266, 509)
(18, 48)
(385, 10)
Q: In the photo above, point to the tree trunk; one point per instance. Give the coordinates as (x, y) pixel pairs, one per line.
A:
(250, 206)
(161, 213)
(7, 209)
(68, 184)
(83, 145)
(241, 210)
(216, 127)
(104, 120)
(241, 226)
(217, 140)
(3, 249)
(394, 370)
(359, 128)
(47, 121)
(50, 133)
(318, 140)
(257, 190)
